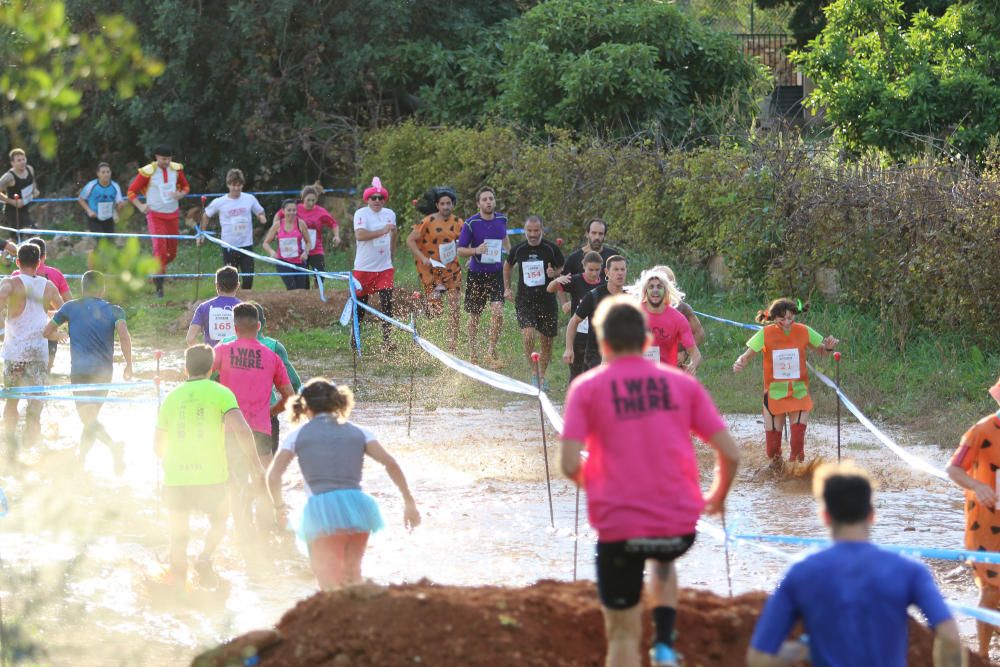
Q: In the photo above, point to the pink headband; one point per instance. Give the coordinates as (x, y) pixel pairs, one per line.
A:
(376, 189)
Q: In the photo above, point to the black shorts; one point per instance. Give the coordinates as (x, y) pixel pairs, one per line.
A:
(18, 218)
(620, 566)
(275, 434)
(481, 288)
(90, 378)
(540, 312)
(205, 498)
(95, 226)
(264, 443)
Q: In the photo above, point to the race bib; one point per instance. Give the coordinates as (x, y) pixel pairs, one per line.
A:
(28, 193)
(652, 353)
(312, 238)
(492, 254)
(447, 252)
(533, 273)
(220, 323)
(785, 364)
(288, 247)
(105, 210)
(583, 327)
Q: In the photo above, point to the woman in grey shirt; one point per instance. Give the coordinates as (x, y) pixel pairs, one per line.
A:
(338, 516)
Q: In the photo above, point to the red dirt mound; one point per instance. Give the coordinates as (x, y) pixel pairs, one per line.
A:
(547, 624)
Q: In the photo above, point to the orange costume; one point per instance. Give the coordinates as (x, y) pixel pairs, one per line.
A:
(437, 241)
(786, 381)
(979, 456)
(163, 214)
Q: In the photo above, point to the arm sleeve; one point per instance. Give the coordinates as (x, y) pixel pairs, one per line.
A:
(359, 220)
(927, 596)
(288, 444)
(512, 255)
(60, 317)
(282, 353)
(465, 237)
(369, 436)
(576, 422)
(705, 418)
(255, 206)
(687, 336)
(59, 280)
(967, 450)
(559, 260)
(118, 313)
(217, 362)
(85, 192)
(182, 181)
(118, 192)
(815, 339)
(138, 185)
(280, 374)
(212, 209)
(328, 220)
(776, 621)
(586, 307)
(756, 342)
(200, 314)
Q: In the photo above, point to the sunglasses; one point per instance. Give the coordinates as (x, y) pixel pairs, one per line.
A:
(375, 198)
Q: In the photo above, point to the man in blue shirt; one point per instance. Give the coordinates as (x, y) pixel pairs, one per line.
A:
(92, 326)
(101, 199)
(851, 597)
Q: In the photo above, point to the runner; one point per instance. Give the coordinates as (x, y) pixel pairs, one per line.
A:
(27, 298)
(539, 261)
(213, 319)
(434, 241)
(236, 212)
(316, 218)
(635, 419)
(275, 346)
(92, 326)
(786, 380)
(101, 199)
(659, 297)
(375, 231)
(852, 597)
(687, 311)
(18, 188)
(615, 272)
(578, 286)
(973, 467)
(596, 230)
(191, 443)
(164, 185)
(53, 274)
(293, 244)
(484, 239)
(338, 516)
(250, 370)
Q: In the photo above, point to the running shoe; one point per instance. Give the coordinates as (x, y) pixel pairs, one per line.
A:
(207, 576)
(662, 655)
(534, 381)
(545, 386)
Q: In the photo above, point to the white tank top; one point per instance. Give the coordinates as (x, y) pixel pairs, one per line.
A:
(23, 339)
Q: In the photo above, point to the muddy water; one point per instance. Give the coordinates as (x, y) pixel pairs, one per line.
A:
(79, 543)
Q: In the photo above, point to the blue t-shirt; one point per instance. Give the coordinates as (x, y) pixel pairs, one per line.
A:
(92, 334)
(96, 194)
(475, 231)
(852, 599)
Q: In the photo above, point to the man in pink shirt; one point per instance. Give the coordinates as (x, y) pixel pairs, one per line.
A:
(51, 273)
(659, 297)
(635, 418)
(249, 369)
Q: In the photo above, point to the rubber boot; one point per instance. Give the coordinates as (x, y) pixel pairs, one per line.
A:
(797, 440)
(773, 444)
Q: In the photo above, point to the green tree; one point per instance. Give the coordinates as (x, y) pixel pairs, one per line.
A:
(625, 69)
(48, 67)
(807, 19)
(901, 86)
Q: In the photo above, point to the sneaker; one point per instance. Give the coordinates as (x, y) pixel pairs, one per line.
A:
(534, 381)
(662, 655)
(207, 576)
(545, 386)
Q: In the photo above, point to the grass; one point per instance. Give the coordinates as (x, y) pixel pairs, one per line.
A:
(936, 386)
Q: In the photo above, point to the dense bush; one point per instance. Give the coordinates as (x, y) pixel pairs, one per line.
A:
(915, 245)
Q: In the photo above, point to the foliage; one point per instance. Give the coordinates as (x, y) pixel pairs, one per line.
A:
(903, 88)
(48, 66)
(625, 69)
(807, 19)
(126, 268)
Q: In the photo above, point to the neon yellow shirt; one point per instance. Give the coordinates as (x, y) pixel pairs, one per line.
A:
(192, 417)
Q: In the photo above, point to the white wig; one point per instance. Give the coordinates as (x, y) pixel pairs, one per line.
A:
(638, 290)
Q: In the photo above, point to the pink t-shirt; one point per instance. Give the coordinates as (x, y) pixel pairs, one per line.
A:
(315, 218)
(50, 273)
(669, 328)
(635, 418)
(249, 369)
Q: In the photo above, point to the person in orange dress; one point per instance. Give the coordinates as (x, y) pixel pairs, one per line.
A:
(974, 467)
(434, 248)
(786, 381)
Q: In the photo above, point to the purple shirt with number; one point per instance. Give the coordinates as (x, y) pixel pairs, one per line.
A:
(201, 316)
(475, 231)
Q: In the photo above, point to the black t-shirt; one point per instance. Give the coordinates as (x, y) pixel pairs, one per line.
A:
(578, 288)
(574, 263)
(586, 309)
(528, 256)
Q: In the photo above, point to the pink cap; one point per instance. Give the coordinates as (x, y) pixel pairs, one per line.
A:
(376, 189)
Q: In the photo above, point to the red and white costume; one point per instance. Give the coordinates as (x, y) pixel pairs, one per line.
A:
(163, 214)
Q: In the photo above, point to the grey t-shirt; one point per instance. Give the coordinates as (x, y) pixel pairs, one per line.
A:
(330, 454)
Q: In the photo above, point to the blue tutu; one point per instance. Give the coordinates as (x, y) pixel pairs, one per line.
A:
(344, 510)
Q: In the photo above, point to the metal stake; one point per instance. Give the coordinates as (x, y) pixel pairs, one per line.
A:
(545, 445)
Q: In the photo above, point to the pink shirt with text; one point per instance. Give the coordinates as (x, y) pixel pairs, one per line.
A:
(249, 369)
(635, 418)
(670, 328)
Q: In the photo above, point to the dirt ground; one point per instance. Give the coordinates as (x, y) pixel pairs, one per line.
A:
(549, 623)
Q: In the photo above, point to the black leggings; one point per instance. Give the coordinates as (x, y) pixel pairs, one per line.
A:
(317, 262)
(243, 264)
(385, 305)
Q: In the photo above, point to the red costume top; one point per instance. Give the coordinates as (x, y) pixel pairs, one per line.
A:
(158, 185)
